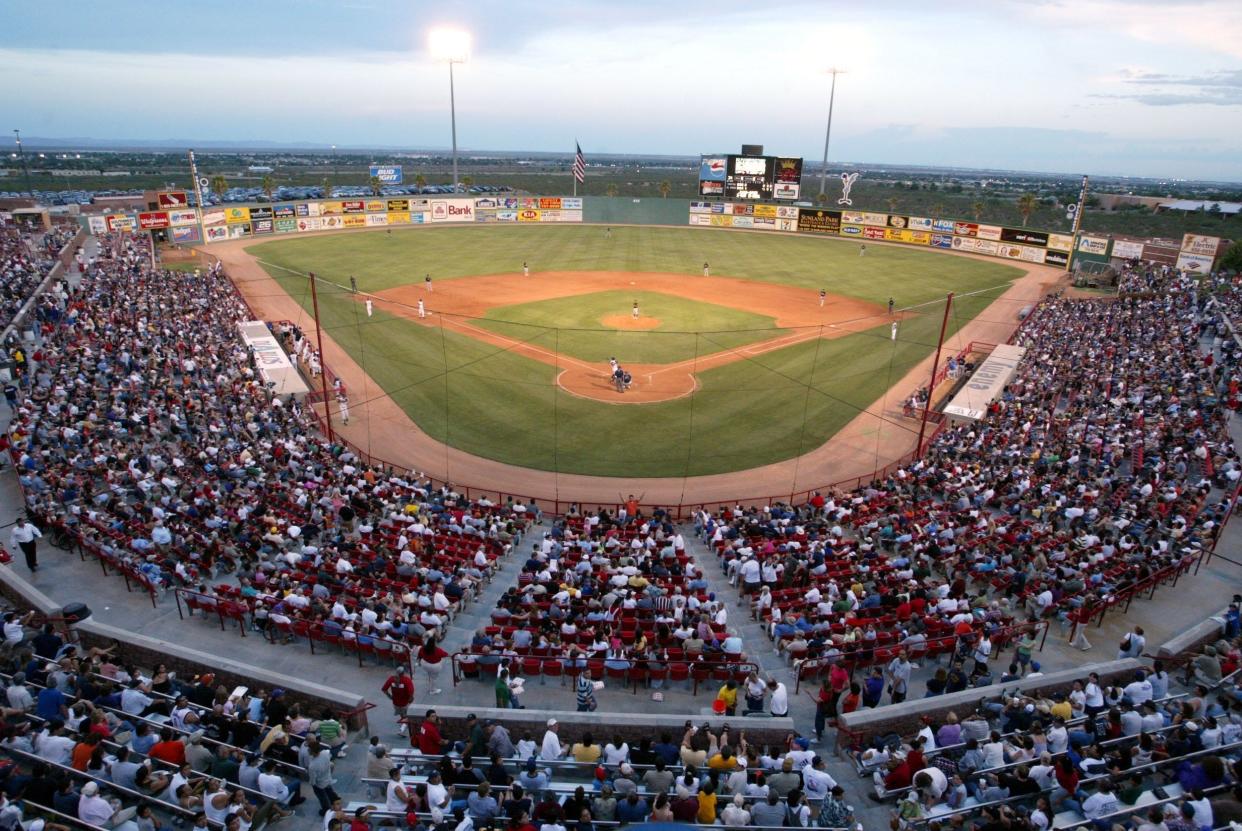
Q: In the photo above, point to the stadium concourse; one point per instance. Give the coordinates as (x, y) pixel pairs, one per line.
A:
(143, 439)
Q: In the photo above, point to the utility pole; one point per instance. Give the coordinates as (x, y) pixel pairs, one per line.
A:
(931, 386)
(323, 367)
(21, 154)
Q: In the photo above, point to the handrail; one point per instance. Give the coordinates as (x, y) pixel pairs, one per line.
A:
(694, 667)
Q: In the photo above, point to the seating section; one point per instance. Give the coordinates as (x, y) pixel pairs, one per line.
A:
(25, 260)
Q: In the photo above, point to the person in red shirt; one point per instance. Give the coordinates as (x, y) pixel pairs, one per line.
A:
(82, 751)
(400, 691)
(168, 749)
(361, 822)
(431, 659)
(429, 740)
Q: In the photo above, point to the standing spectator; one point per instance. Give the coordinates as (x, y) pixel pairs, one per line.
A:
(584, 691)
(319, 774)
(899, 677)
(779, 705)
(431, 659)
(400, 691)
(23, 536)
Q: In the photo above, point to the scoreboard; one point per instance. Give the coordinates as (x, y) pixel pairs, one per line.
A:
(758, 178)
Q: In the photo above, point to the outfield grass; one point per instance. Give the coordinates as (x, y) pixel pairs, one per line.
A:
(493, 403)
(579, 331)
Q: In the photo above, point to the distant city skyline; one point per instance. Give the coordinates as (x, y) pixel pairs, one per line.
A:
(1142, 88)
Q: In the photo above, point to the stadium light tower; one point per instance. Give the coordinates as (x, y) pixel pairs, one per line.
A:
(451, 46)
(823, 171)
(21, 153)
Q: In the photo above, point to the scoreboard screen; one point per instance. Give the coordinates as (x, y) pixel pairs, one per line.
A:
(757, 178)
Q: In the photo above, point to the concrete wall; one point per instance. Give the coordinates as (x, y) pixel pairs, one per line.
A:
(1189, 641)
(632, 727)
(146, 652)
(632, 210)
(905, 718)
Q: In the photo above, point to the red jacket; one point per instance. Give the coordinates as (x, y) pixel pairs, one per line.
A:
(429, 740)
(401, 688)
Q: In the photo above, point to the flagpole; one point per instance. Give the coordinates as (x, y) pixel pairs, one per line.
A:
(573, 168)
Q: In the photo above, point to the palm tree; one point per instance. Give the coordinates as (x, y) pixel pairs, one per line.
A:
(269, 187)
(937, 210)
(467, 182)
(377, 187)
(326, 184)
(219, 185)
(420, 181)
(892, 203)
(666, 187)
(1027, 205)
(976, 210)
(611, 190)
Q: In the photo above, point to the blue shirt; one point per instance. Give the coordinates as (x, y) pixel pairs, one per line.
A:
(632, 813)
(49, 703)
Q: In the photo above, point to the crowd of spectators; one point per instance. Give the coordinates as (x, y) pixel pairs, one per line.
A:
(25, 260)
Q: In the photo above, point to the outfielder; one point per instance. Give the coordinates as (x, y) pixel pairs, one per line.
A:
(634, 311)
(525, 269)
(706, 270)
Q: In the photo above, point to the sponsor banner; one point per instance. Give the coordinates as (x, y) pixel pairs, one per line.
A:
(740, 209)
(262, 212)
(526, 215)
(301, 209)
(764, 223)
(743, 222)
(503, 215)
(397, 205)
(420, 217)
(550, 215)
(965, 229)
(849, 230)
(185, 234)
(872, 232)
(942, 241)
(549, 203)
(286, 225)
(327, 208)
(398, 217)
(484, 215)
(150, 220)
(819, 222)
(786, 190)
(420, 205)
(283, 211)
(1024, 236)
(1060, 242)
(722, 220)
(484, 202)
(946, 225)
(975, 246)
(713, 169)
(261, 226)
(1199, 244)
(786, 224)
(895, 221)
(718, 207)
(453, 210)
(1026, 253)
(992, 232)
(700, 219)
(527, 203)
(1058, 258)
(353, 206)
(571, 203)
(711, 188)
(173, 199)
(355, 220)
(857, 218)
(920, 223)
(376, 219)
(1195, 263)
(120, 222)
(764, 210)
(376, 206)
(218, 232)
(1093, 245)
(236, 215)
(787, 211)
(700, 207)
(239, 230)
(387, 174)
(907, 236)
(331, 222)
(1127, 250)
(183, 217)
(571, 216)
(97, 225)
(315, 209)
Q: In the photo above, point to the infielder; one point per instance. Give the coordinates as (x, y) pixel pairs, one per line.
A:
(342, 402)
(894, 330)
(427, 282)
(634, 311)
(823, 295)
(706, 270)
(422, 310)
(525, 269)
(370, 308)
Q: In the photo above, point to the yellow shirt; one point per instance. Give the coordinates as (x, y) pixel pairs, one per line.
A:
(583, 753)
(1062, 709)
(707, 808)
(728, 696)
(719, 762)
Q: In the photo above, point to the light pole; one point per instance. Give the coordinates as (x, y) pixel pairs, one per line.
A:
(451, 46)
(823, 171)
(334, 162)
(21, 154)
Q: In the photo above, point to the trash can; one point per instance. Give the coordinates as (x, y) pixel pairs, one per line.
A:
(75, 613)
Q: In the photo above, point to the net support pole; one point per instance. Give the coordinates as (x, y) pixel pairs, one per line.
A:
(323, 370)
(931, 383)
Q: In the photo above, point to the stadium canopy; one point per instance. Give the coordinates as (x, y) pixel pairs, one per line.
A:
(987, 382)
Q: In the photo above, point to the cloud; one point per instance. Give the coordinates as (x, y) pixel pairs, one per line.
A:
(1222, 88)
(1214, 25)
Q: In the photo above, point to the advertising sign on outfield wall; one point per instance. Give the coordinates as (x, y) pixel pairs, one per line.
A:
(974, 246)
(284, 211)
(453, 210)
(398, 217)
(571, 203)
(942, 240)
(150, 220)
(377, 219)
(1093, 245)
(1060, 242)
(1026, 253)
(1200, 244)
(786, 224)
(965, 229)
(238, 230)
(1057, 258)
(700, 207)
(920, 223)
(851, 230)
(743, 222)
(1126, 250)
(858, 218)
(236, 215)
(945, 225)
(354, 220)
(700, 219)
(721, 220)
(97, 225)
(1195, 263)
(286, 225)
(819, 222)
(183, 217)
(896, 221)
(992, 232)
(217, 232)
(262, 226)
(1023, 236)
(310, 223)
(331, 222)
(872, 232)
(185, 234)
(260, 212)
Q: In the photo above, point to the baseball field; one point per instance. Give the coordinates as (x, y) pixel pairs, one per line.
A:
(732, 370)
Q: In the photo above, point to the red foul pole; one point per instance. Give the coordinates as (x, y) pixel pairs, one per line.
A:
(323, 367)
(931, 386)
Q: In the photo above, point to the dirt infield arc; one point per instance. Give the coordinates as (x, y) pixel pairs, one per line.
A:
(454, 302)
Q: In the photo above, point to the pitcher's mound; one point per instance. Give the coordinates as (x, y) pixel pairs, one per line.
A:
(629, 322)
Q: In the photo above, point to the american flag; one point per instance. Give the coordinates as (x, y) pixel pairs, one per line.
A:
(579, 164)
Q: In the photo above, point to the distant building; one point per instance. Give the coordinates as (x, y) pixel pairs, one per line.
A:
(260, 168)
(1188, 205)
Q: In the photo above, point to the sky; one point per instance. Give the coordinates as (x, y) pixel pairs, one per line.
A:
(1105, 87)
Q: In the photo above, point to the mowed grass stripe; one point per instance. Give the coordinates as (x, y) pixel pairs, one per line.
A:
(494, 403)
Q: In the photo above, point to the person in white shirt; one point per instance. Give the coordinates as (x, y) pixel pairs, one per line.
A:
(1101, 802)
(552, 749)
(779, 704)
(1138, 692)
(817, 782)
(96, 810)
(274, 788)
(23, 536)
(395, 795)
